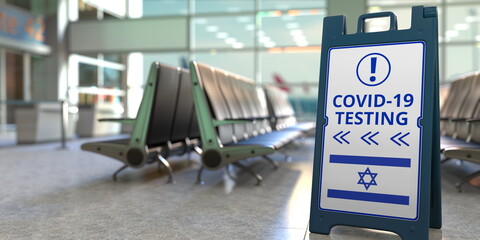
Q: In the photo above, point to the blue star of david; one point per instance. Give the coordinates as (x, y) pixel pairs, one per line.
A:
(372, 180)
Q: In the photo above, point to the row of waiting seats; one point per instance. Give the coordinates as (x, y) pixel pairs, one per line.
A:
(165, 124)
(239, 110)
(222, 116)
(459, 118)
(280, 107)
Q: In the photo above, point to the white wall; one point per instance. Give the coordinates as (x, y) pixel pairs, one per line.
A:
(138, 35)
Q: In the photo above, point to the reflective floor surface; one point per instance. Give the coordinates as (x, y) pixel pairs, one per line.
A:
(69, 194)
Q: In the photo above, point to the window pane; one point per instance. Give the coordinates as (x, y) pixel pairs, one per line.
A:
(223, 32)
(462, 1)
(112, 78)
(117, 8)
(291, 4)
(113, 58)
(86, 11)
(459, 60)
(300, 82)
(177, 59)
(237, 62)
(164, 7)
(404, 18)
(404, 2)
(88, 75)
(299, 28)
(462, 23)
(223, 6)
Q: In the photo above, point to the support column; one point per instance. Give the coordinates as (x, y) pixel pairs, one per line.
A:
(349, 8)
(3, 90)
(3, 86)
(49, 74)
(27, 77)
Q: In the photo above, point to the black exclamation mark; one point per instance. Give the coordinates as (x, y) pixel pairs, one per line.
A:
(373, 68)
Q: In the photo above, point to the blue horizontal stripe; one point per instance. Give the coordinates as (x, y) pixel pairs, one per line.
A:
(369, 197)
(363, 160)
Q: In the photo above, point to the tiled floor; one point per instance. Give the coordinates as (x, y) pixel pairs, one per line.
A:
(68, 194)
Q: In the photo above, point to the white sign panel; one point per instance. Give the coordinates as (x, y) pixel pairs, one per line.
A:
(372, 139)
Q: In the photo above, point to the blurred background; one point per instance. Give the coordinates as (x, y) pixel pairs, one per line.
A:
(95, 54)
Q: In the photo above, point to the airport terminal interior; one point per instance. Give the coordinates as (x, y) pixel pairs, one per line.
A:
(204, 119)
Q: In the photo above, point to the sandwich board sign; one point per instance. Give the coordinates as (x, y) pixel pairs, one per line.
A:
(377, 142)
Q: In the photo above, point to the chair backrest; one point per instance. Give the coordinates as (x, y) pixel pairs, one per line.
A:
(224, 84)
(183, 111)
(164, 104)
(260, 101)
(452, 98)
(475, 127)
(280, 107)
(232, 96)
(219, 108)
(450, 103)
(244, 101)
(462, 96)
(467, 110)
(193, 129)
(238, 84)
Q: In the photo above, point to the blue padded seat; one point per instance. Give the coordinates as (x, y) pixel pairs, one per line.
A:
(277, 139)
(448, 142)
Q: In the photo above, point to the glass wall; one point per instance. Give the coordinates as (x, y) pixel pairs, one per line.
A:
(459, 31)
(298, 28)
(221, 6)
(239, 62)
(94, 80)
(279, 42)
(222, 32)
(154, 8)
(273, 42)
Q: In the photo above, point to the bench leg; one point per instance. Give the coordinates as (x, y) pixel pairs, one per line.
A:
(165, 163)
(188, 150)
(271, 161)
(229, 173)
(198, 150)
(118, 171)
(288, 158)
(444, 159)
(193, 149)
(189, 156)
(465, 180)
(199, 176)
(248, 170)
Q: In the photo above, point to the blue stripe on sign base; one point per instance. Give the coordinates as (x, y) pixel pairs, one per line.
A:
(364, 160)
(369, 197)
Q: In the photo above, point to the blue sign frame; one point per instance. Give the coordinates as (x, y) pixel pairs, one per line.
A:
(424, 29)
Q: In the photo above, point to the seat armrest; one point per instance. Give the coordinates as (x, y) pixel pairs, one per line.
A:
(458, 119)
(285, 116)
(217, 123)
(250, 119)
(129, 121)
(473, 120)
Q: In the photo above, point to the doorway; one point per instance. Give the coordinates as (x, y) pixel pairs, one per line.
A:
(14, 82)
